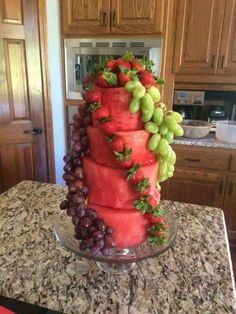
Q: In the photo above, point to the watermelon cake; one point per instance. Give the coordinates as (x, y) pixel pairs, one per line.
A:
(120, 155)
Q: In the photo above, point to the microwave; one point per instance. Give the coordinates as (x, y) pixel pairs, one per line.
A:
(82, 54)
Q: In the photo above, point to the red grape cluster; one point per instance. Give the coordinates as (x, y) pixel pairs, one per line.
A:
(95, 235)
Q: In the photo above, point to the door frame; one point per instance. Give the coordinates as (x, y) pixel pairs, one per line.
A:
(46, 89)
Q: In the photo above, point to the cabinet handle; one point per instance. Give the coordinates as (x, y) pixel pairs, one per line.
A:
(221, 187)
(213, 61)
(114, 18)
(193, 160)
(222, 61)
(103, 18)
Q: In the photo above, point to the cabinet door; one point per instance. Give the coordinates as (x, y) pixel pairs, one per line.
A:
(86, 17)
(197, 187)
(227, 60)
(198, 34)
(137, 17)
(230, 206)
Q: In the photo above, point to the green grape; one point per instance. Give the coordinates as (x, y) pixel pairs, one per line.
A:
(147, 116)
(177, 116)
(153, 142)
(158, 187)
(130, 86)
(163, 147)
(151, 127)
(162, 169)
(170, 167)
(172, 159)
(171, 123)
(134, 106)
(162, 106)
(139, 92)
(169, 174)
(178, 131)
(155, 94)
(169, 136)
(163, 129)
(158, 115)
(147, 103)
(162, 179)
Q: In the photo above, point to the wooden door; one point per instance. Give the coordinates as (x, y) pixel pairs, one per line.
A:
(137, 17)
(86, 17)
(227, 60)
(22, 154)
(196, 187)
(230, 206)
(198, 35)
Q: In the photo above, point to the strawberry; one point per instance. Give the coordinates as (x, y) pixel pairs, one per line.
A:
(118, 144)
(123, 63)
(125, 164)
(137, 64)
(138, 177)
(107, 79)
(112, 65)
(146, 78)
(147, 191)
(152, 201)
(93, 96)
(155, 220)
(101, 113)
(123, 78)
(87, 81)
(109, 127)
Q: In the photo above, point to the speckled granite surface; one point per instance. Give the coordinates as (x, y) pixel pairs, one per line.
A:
(192, 277)
(205, 142)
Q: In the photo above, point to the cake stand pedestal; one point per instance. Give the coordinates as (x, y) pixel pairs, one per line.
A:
(119, 261)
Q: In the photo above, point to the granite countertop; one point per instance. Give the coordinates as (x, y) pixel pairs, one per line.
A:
(194, 276)
(209, 141)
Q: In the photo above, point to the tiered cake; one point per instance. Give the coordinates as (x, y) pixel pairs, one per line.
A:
(113, 182)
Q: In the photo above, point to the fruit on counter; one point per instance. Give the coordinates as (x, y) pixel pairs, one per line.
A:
(158, 116)
(139, 92)
(154, 93)
(93, 96)
(130, 86)
(154, 142)
(118, 144)
(147, 104)
(151, 127)
(101, 113)
(134, 106)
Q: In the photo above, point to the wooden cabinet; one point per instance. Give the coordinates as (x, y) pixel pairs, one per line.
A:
(229, 206)
(205, 42)
(227, 61)
(205, 176)
(197, 187)
(197, 41)
(137, 17)
(86, 16)
(100, 17)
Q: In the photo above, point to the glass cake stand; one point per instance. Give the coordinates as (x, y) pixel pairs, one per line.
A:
(120, 260)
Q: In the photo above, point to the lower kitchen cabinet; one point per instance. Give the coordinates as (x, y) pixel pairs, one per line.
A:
(229, 206)
(205, 176)
(197, 187)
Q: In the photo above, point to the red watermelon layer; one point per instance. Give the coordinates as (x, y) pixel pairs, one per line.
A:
(129, 226)
(109, 187)
(118, 100)
(101, 152)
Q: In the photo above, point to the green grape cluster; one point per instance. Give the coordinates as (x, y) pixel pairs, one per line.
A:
(162, 124)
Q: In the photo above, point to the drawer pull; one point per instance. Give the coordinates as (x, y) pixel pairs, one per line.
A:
(193, 160)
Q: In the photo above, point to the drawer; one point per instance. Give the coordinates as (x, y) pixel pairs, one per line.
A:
(233, 162)
(209, 159)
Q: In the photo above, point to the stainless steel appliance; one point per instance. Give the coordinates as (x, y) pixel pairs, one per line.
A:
(216, 113)
(81, 54)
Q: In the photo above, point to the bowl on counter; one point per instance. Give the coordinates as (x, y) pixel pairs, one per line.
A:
(196, 128)
(226, 131)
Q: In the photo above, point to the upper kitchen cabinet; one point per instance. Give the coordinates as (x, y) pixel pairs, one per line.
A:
(86, 17)
(137, 17)
(227, 60)
(113, 17)
(205, 43)
(198, 33)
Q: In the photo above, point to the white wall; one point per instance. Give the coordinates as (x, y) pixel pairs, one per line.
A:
(56, 85)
